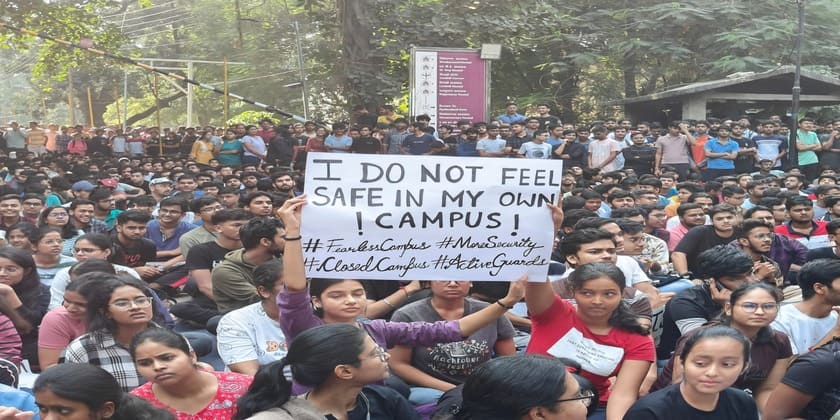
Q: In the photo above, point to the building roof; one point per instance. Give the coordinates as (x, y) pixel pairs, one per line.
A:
(785, 72)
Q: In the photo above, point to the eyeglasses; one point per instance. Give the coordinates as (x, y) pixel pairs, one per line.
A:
(211, 209)
(140, 302)
(86, 250)
(58, 215)
(380, 353)
(585, 397)
(751, 307)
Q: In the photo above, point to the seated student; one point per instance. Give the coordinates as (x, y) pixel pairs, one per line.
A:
(497, 390)
(9, 343)
(23, 298)
(47, 245)
(601, 324)
(90, 246)
(88, 392)
(433, 370)
(251, 337)
(165, 232)
(801, 226)
(814, 321)
(63, 324)
(177, 383)
(725, 269)
(14, 402)
(340, 363)
(833, 229)
(810, 387)
(750, 310)
(712, 360)
(701, 238)
(18, 234)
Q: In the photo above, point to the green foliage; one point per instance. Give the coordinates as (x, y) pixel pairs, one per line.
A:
(252, 118)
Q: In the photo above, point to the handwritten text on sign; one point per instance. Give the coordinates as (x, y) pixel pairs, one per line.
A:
(428, 218)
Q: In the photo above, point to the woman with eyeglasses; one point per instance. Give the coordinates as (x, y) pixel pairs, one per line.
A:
(712, 360)
(59, 218)
(340, 363)
(23, 298)
(47, 246)
(90, 246)
(116, 311)
(65, 323)
(177, 383)
(750, 310)
(497, 390)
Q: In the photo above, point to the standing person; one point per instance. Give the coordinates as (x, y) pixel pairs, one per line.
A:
(603, 150)
(537, 148)
(119, 146)
(61, 140)
(338, 141)
(712, 360)
(15, 138)
(254, 148)
(23, 298)
(36, 139)
(418, 143)
(77, 145)
(770, 145)
(176, 383)
(640, 156)
(720, 155)
(673, 148)
(698, 149)
(340, 363)
(202, 150)
(807, 144)
(117, 310)
(229, 151)
(746, 160)
(750, 310)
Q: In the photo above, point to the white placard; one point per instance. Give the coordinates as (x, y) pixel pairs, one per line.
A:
(428, 217)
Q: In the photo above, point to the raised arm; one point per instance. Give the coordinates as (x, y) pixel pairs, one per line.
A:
(478, 320)
(539, 296)
(294, 274)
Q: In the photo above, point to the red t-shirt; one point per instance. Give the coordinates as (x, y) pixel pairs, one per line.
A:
(559, 332)
(223, 407)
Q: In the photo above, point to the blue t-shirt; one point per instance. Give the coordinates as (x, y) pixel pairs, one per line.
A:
(340, 144)
(418, 145)
(169, 243)
(715, 146)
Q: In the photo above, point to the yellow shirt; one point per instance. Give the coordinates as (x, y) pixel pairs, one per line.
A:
(202, 152)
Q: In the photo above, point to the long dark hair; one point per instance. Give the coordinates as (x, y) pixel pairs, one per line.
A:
(317, 286)
(498, 389)
(312, 357)
(622, 317)
(716, 331)
(99, 297)
(103, 242)
(765, 334)
(67, 231)
(28, 288)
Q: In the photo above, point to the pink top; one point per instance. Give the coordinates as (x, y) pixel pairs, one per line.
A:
(9, 340)
(78, 147)
(223, 407)
(58, 329)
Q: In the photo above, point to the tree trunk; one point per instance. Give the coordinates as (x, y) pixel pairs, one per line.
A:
(359, 63)
(164, 103)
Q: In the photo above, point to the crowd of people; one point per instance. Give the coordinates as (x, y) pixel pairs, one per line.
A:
(150, 273)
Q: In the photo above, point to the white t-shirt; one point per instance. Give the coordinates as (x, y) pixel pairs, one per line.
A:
(491, 145)
(533, 150)
(249, 334)
(62, 279)
(803, 330)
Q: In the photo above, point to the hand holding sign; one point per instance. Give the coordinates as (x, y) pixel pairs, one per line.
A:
(429, 218)
(290, 213)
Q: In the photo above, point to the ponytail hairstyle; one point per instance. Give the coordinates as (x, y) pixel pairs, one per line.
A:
(102, 242)
(766, 334)
(622, 317)
(312, 357)
(317, 286)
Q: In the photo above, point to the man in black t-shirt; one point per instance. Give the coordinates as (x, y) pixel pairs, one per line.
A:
(810, 388)
(129, 241)
(200, 262)
(701, 238)
(365, 143)
(725, 269)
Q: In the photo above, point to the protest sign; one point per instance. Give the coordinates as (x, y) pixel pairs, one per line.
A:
(427, 217)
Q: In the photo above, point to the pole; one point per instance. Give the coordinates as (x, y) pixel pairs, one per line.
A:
(226, 103)
(90, 108)
(125, 102)
(117, 104)
(157, 113)
(797, 89)
(189, 95)
(302, 71)
(70, 109)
